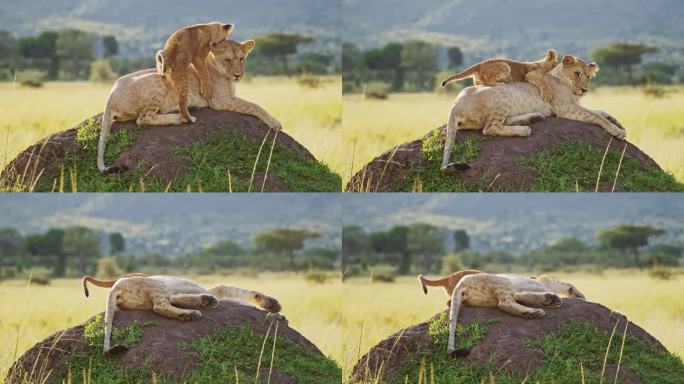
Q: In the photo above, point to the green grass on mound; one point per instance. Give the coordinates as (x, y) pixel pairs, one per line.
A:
(212, 161)
(573, 354)
(569, 166)
(230, 355)
(574, 166)
(430, 179)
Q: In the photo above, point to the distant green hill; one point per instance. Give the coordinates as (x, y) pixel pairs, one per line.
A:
(176, 224)
(519, 29)
(143, 26)
(519, 221)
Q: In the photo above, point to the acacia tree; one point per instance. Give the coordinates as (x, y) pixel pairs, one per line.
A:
(283, 241)
(455, 57)
(281, 45)
(111, 46)
(117, 243)
(628, 237)
(461, 240)
(393, 245)
(426, 240)
(622, 55)
(82, 243)
(11, 247)
(49, 244)
(420, 59)
(354, 245)
(75, 48)
(387, 60)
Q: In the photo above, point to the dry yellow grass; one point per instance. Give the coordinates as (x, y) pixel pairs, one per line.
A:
(371, 127)
(370, 313)
(27, 315)
(311, 116)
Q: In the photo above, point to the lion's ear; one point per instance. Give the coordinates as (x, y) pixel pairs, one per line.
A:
(592, 69)
(248, 45)
(569, 61)
(551, 55)
(229, 27)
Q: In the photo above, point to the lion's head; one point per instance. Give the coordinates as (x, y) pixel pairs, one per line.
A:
(229, 57)
(578, 73)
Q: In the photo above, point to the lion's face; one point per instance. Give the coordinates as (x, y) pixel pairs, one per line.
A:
(579, 73)
(230, 57)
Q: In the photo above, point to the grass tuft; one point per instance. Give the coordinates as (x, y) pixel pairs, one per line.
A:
(574, 165)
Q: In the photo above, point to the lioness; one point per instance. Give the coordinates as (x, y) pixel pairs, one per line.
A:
(164, 295)
(147, 97)
(190, 45)
(508, 293)
(496, 71)
(506, 109)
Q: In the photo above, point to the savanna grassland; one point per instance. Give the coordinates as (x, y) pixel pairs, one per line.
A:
(30, 313)
(371, 126)
(311, 115)
(371, 312)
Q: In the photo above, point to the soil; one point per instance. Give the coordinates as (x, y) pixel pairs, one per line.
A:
(158, 347)
(153, 149)
(498, 156)
(503, 345)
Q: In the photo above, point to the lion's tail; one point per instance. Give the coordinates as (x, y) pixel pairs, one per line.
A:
(468, 72)
(105, 283)
(432, 283)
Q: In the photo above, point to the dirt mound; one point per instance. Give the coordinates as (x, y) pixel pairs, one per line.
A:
(508, 350)
(511, 163)
(174, 350)
(161, 154)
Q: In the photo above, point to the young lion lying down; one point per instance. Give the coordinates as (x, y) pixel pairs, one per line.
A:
(509, 293)
(165, 295)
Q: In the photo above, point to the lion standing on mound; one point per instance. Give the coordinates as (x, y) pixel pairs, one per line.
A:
(507, 109)
(149, 98)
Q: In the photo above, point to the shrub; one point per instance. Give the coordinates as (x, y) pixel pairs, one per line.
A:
(309, 81)
(101, 71)
(451, 263)
(316, 276)
(384, 273)
(660, 273)
(655, 91)
(107, 267)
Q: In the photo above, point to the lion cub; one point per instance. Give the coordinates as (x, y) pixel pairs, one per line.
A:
(495, 71)
(190, 45)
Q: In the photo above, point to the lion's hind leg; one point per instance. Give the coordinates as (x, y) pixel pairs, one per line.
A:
(547, 299)
(495, 73)
(194, 300)
(163, 307)
(524, 119)
(508, 304)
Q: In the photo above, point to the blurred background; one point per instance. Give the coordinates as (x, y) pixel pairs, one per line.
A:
(396, 52)
(50, 49)
(621, 250)
(285, 245)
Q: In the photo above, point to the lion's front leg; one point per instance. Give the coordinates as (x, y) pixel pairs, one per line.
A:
(575, 112)
(608, 117)
(236, 104)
